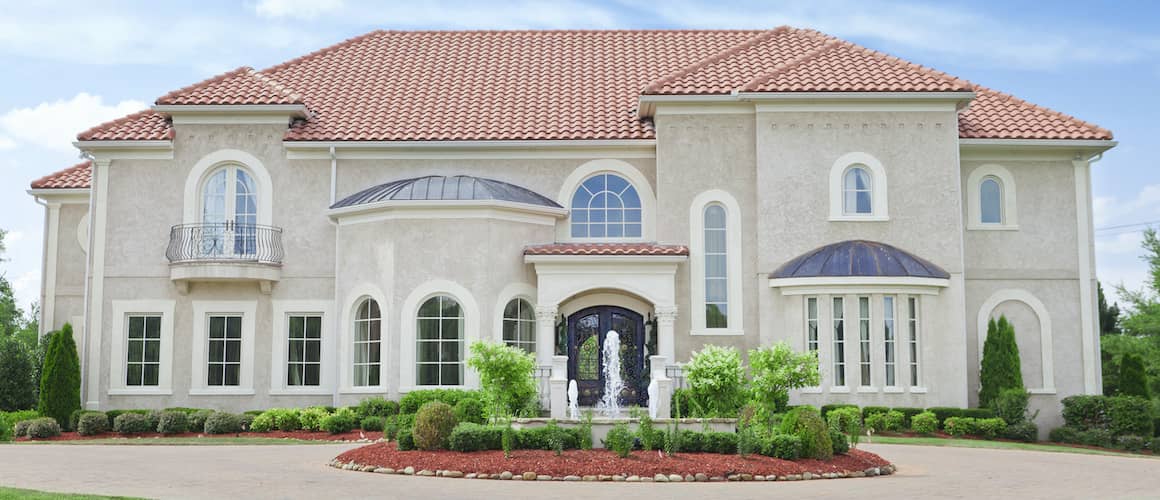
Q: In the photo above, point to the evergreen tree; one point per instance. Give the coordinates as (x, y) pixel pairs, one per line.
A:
(1109, 315)
(60, 382)
(16, 390)
(1000, 368)
(1132, 380)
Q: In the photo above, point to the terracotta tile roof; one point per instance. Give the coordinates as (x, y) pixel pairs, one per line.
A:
(995, 115)
(529, 85)
(606, 249)
(240, 86)
(75, 177)
(145, 125)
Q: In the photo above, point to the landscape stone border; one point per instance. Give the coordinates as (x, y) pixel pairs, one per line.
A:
(699, 477)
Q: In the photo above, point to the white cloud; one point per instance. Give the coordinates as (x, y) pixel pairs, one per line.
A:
(301, 9)
(6, 143)
(54, 125)
(26, 288)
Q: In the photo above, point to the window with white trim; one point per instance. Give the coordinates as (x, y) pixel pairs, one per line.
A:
(812, 324)
(304, 350)
(439, 342)
(912, 326)
(143, 351)
(224, 351)
(367, 344)
(864, 340)
(839, 315)
(991, 201)
(857, 191)
(519, 325)
(888, 340)
(606, 205)
(716, 268)
(229, 213)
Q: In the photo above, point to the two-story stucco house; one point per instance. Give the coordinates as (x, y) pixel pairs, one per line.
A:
(346, 223)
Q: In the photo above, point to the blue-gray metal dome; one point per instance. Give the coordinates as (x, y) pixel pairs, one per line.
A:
(858, 258)
(439, 187)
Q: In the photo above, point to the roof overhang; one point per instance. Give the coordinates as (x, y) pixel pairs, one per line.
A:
(61, 195)
(841, 285)
(818, 101)
(408, 150)
(259, 114)
(447, 209)
(1078, 149)
(127, 150)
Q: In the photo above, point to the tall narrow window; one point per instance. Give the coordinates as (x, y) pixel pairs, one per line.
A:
(304, 350)
(857, 191)
(990, 201)
(864, 339)
(143, 352)
(839, 343)
(606, 206)
(440, 342)
(888, 339)
(229, 213)
(716, 268)
(912, 325)
(519, 325)
(367, 344)
(225, 351)
(812, 324)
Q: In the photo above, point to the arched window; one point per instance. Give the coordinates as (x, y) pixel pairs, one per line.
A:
(990, 201)
(716, 268)
(606, 206)
(368, 338)
(439, 343)
(229, 212)
(519, 325)
(857, 191)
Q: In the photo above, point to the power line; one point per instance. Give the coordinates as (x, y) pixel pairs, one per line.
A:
(1123, 226)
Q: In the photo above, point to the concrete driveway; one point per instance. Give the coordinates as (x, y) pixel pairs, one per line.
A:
(299, 471)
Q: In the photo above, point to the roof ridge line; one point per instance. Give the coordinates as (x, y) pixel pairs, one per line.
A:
(793, 63)
(275, 85)
(325, 50)
(213, 79)
(656, 85)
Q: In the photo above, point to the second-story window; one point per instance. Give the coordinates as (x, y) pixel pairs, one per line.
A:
(229, 213)
(990, 201)
(857, 191)
(606, 206)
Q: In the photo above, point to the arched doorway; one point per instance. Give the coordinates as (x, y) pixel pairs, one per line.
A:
(587, 329)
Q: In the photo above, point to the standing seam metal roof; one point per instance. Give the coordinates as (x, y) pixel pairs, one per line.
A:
(439, 187)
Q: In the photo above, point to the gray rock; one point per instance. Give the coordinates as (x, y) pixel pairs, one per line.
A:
(807, 475)
(471, 475)
(872, 471)
(505, 475)
(646, 479)
(618, 478)
(858, 473)
(759, 477)
(661, 478)
(577, 478)
(733, 477)
(746, 477)
(529, 476)
(348, 466)
(589, 478)
(384, 470)
(543, 477)
(701, 477)
(632, 479)
(676, 478)
(452, 473)
(793, 477)
(426, 473)
(600, 477)
(410, 471)
(690, 478)
(716, 479)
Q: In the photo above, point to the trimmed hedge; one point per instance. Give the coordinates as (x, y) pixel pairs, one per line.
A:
(42, 428)
(373, 423)
(783, 446)
(1024, 431)
(924, 423)
(470, 410)
(942, 413)
(826, 409)
(92, 423)
(223, 423)
(412, 401)
(475, 437)
(840, 443)
(541, 438)
(132, 423)
(1120, 415)
(405, 441)
(342, 421)
(173, 422)
(908, 415)
(870, 410)
(978, 413)
(433, 425)
(806, 423)
(376, 407)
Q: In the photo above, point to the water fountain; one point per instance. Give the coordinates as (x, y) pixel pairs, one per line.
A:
(573, 400)
(613, 384)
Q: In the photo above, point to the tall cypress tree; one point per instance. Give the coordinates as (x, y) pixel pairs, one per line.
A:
(1133, 381)
(16, 391)
(1000, 368)
(60, 382)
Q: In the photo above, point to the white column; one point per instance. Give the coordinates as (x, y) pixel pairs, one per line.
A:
(559, 387)
(664, 386)
(1089, 320)
(546, 333)
(666, 334)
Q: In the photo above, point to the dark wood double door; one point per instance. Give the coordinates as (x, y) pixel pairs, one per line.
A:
(586, 334)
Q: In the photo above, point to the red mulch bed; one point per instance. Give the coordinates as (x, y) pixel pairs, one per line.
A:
(602, 462)
(304, 435)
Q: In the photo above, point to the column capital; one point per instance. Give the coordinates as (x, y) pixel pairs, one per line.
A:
(547, 312)
(666, 314)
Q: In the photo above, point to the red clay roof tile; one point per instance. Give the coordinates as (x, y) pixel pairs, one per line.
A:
(606, 249)
(995, 115)
(240, 86)
(75, 177)
(840, 66)
(140, 126)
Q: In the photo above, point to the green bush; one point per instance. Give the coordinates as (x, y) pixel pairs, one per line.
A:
(876, 422)
(1097, 437)
(681, 403)
(311, 418)
(470, 436)
(470, 410)
(619, 440)
(373, 423)
(541, 438)
(908, 414)
(405, 420)
(1129, 416)
(42, 428)
(826, 409)
(650, 437)
(245, 420)
(777, 369)
(894, 421)
(1011, 405)
(870, 410)
(508, 440)
(264, 422)
(1133, 380)
(153, 417)
(191, 411)
(132, 423)
(376, 407)
(412, 401)
(724, 443)
(1065, 434)
(783, 446)
(848, 420)
(9, 419)
(924, 423)
(17, 374)
(173, 422)
(979, 413)
(1025, 431)
(990, 428)
(75, 418)
(284, 419)
(1132, 443)
(690, 441)
(433, 425)
(1085, 412)
(405, 440)
(506, 376)
(92, 423)
(1000, 367)
(223, 423)
(806, 423)
(60, 380)
(340, 422)
(942, 413)
(715, 377)
(959, 426)
(840, 443)
(20, 429)
(390, 430)
(585, 431)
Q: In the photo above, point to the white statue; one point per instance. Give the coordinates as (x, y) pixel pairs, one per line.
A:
(573, 400)
(653, 394)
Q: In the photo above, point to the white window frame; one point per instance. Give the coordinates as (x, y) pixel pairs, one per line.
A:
(1008, 203)
(865, 383)
(122, 309)
(282, 310)
(914, 342)
(608, 166)
(735, 298)
(202, 310)
(511, 292)
(530, 347)
(209, 165)
(878, 184)
(838, 313)
(408, 326)
(890, 344)
(357, 345)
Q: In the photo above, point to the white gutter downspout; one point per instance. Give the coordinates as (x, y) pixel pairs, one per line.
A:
(338, 368)
(333, 175)
(88, 275)
(1088, 316)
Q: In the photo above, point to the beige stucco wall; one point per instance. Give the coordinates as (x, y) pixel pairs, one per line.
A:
(69, 260)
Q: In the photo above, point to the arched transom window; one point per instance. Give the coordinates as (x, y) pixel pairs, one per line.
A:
(519, 325)
(368, 337)
(857, 191)
(990, 201)
(229, 212)
(439, 343)
(606, 206)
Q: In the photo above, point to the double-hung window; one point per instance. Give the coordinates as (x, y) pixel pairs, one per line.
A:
(864, 339)
(839, 342)
(304, 350)
(143, 351)
(224, 351)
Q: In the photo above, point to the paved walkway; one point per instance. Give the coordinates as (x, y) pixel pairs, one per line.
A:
(300, 472)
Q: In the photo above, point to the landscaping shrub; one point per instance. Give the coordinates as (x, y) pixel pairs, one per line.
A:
(724, 443)
(246, 420)
(1129, 415)
(264, 422)
(990, 428)
(223, 423)
(1000, 367)
(390, 430)
(542, 438)
(412, 401)
(1085, 412)
(284, 419)
(191, 411)
(826, 409)
(806, 423)
(1025, 431)
(173, 422)
(774, 371)
(1132, 443)
(650, 437)
(715, 377)
(42, 428)
(433, 425)
(870, 410)
(5, 433)
(508, 440)
(92, 423)
(690, 441)
(840, 443)
(376, 407)
(470, 436)
(311, 418)
(75, 418)
(17, 373)
(372, 423)
(340, 422)
(846, 419)
(875, 422)
(470, 410)
(132, 423)
(60, 380)
(1011, 405)
(942, 413)
(585, 431)
(9, 419)
(20, 429)
(1133, 381)
(908, 415)
(405, 440)
(893, 421)
(783, 446)
(405, 420)
(619, 440)
(681, 403)
(153, 417)
(1097, 437)
(978, 413)
(959, 426)
(506, 376)
(1065, 434)
(924, 423)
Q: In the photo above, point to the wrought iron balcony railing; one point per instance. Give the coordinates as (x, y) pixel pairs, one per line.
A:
(225, 242)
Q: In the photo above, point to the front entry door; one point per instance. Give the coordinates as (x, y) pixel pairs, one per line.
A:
(586, 332)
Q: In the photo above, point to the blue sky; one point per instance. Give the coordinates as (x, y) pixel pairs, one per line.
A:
(70, 65)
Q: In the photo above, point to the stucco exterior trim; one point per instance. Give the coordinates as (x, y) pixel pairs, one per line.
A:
(878, 188)
(121, 310)
(209, 163)
(735, 305)
(1046, 346)
(345, 330)
(407, 326)
(648, 198)
(1009, 206)
(201, 311)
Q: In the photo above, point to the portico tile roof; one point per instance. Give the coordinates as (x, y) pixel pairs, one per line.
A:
(75, 177)
(649, 249)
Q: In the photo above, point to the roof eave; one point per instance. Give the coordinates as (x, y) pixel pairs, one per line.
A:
(648, 102)
(1080, 146)
(62, 195)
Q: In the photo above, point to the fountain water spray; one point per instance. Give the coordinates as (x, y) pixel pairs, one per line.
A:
(613, 384)
(573, 400)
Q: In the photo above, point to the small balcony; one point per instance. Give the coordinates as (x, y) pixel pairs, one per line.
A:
(224, 251)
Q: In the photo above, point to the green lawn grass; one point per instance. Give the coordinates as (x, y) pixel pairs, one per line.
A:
(14, 493)
(997, 445)
(181, 441)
